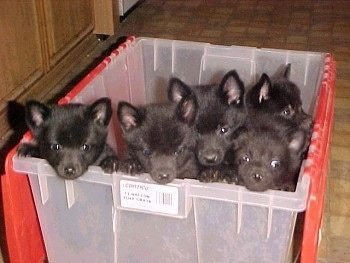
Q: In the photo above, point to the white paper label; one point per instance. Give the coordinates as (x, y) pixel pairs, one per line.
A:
(150, 197)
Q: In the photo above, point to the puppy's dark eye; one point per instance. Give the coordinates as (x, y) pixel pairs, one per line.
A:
(179, 150)
(275, 164)
(223, 130)
(287, 112)
(55, 147)
(245, 159)
(147, 152)
(85, 147)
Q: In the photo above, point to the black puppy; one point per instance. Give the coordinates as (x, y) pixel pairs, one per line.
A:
(70, 137)
(267, 159)
(279, 98)
(160, 139)
(220, 112)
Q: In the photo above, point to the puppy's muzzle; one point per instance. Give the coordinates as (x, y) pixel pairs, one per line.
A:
(210, 157)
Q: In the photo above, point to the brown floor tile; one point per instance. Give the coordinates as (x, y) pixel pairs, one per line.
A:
(339, 226)
(341, 138)
(339, 249)
(342, 116)
(324, 243)
(339, 169)
(341, 126)
(236, 29)
(340, 153)
(342, 103)
(257, 30)
(339, 189)
(211, 33)
(297, 39)
(320, 33)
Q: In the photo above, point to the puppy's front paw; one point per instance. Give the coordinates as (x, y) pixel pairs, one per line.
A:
(110, 164)
(217, 174)
(28, 150)
(130, 166)
(209, 175)
(288, 187)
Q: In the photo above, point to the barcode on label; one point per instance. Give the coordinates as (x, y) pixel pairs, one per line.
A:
(164, 199)
(150, 197)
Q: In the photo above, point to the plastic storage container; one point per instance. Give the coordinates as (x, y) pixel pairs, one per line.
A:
(120, 218)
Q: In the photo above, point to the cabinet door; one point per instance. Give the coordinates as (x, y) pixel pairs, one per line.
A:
(68, 22)
(21, 52)
(21, 61)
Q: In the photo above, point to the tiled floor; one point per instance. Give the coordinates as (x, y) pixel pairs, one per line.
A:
(312, 25)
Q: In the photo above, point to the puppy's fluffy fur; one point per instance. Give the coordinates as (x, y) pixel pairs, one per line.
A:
(275, 136)
(268, 159)
(279, 99)
(220, 112)
(70, 137)
(160, 139)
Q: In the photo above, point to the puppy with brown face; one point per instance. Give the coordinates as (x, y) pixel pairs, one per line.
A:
(266, 159)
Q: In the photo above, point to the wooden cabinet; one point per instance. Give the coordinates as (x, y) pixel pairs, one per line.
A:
(21, 52)
(68, 22)
(41, 41)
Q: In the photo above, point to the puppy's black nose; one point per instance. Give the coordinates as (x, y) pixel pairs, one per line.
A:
(211, 158)
(163, 176)
(69, 170)
(257, 177)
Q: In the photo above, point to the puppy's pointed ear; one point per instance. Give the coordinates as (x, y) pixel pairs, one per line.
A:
(286, 71)
(264, 87)
(177, 90)
(36, 113)
(101, 111)
(186, 110)
(297, 141)
(260, 91)
(129, 116)
(232, 88)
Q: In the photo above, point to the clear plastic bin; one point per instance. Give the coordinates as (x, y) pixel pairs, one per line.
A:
(121, 218)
